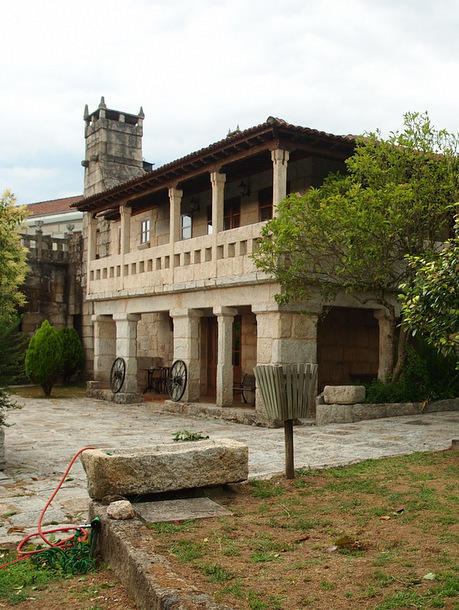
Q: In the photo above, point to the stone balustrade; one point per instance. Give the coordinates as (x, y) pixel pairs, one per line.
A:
(196, 260)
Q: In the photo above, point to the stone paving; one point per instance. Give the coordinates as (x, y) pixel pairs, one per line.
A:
(47, 432)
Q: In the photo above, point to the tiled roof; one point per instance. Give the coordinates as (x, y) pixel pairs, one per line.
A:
(271, 129)
(53, 206)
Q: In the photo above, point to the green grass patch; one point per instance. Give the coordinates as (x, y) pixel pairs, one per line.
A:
(266, 489)
(187, 551)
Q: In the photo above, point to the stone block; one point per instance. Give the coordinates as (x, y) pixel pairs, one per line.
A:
(121, 509)
(344, 394)
(161, 468)
(333, 414)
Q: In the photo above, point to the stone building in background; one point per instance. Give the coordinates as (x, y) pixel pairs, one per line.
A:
(168, 269)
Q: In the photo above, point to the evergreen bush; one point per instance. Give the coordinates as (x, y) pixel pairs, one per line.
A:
(427, 375)
(43, 361)
(72, 353)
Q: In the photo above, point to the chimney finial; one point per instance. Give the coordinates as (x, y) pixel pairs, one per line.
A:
(102, 103)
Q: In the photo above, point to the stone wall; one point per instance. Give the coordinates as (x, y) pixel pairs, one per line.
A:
(348, 342)
(52, 287)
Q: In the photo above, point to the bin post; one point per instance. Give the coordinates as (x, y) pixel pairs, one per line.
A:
(288, 391)
(289, 462)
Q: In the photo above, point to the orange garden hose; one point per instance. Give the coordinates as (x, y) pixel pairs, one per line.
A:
(61, 543)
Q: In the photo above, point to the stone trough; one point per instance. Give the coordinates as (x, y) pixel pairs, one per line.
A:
(169, 467)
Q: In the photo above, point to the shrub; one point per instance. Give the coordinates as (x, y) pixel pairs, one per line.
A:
(12, 351)
(72, 353)
(427, 375)
(43, 361)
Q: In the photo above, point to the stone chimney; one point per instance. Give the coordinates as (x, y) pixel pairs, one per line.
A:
(113, 148)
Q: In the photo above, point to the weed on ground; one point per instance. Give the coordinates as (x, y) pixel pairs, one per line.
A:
(379, 534)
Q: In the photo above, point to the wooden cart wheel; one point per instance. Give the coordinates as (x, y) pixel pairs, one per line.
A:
(117, 374)
(176, 381)
(248, 389)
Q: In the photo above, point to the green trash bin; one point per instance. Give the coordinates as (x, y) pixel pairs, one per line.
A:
(289, 392)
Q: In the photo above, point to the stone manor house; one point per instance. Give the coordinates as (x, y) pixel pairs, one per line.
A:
(168, 265)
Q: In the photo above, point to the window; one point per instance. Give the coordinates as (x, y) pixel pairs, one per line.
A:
(186, 226)
(232, 213)
(145, 231)
(265, 204)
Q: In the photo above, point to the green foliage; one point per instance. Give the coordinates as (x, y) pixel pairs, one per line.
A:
(43, 360)
(18, 580)
(353, 233)
(12, 256)
(427, 375)
(186, 435)
(12, 350)
(72, 353)
(430, 299)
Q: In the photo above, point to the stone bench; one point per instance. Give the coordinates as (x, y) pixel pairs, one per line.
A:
(147, 470)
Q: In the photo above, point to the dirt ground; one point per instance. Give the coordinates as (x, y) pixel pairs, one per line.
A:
(379, 534)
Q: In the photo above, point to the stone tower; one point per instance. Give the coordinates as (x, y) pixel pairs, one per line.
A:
(113, 148)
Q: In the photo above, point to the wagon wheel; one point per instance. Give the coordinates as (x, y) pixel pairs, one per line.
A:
(176, 382)
(248, 389)
(117, 375)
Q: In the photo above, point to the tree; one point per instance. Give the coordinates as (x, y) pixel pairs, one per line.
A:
(12, 346)
(72, 352)
(430, 299)
(13, 264)
(43, 361)
(352, 233)
(12, 351)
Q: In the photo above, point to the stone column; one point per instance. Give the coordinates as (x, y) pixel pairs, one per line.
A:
(386, 344)
(186, 348)
(279, 158)
(175, 201)
(225, 319)
(126, 347)
(104, 346)
(218, 195)
(284, 337)
(125, 213)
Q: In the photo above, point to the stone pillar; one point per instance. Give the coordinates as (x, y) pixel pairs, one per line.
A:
(125, 213)
(104, 346)
(126, 347)
(386, 344)
(175, 200)
(218, 195)
(284, 337)
(225, 319)
(186, 348)
(279, 158)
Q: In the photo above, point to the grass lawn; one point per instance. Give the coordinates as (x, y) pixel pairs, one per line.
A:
(380, 534)
(24, 585)
(58, 391)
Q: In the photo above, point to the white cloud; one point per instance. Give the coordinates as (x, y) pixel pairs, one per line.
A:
(200, 68)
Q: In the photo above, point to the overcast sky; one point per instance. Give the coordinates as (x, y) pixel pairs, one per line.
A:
(201, 67)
